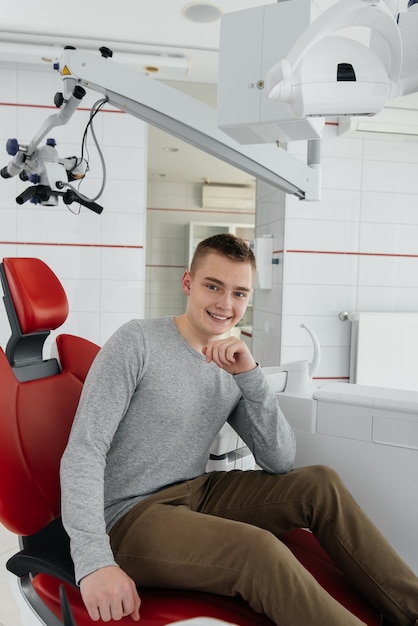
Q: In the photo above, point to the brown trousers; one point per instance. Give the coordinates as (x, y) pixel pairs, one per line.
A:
(218, 533)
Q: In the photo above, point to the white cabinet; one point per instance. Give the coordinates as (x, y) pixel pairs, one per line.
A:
(201, 230)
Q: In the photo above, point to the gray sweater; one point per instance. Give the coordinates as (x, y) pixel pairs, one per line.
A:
(150, 409)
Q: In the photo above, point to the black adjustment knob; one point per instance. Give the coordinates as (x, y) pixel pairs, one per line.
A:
(106, 52)
(58, 99)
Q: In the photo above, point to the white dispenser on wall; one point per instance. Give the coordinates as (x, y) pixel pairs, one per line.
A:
(263, 252)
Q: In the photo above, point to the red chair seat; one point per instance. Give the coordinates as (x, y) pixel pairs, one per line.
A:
(161, 606)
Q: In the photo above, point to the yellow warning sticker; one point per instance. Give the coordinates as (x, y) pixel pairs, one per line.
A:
(66, 71)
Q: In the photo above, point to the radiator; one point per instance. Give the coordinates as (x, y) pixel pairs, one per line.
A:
(384, 349)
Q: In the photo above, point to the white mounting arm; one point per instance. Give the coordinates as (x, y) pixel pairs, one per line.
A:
(159, 105)
(184, 117)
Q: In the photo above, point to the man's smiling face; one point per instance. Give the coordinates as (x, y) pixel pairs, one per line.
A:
(219, 290)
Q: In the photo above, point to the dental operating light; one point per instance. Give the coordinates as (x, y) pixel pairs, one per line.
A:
(281, 70)
(327, 74)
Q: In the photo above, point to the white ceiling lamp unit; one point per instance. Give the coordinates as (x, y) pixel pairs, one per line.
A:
(240, 197)
(351, 61)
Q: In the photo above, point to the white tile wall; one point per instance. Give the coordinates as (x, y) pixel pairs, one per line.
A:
(356, 249)
(389, 207)
(378, 175)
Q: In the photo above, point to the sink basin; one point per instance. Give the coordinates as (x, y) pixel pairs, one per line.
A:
(276, 378)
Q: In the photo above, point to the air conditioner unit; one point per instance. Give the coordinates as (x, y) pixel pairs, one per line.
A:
(390, 123)
(228, 197)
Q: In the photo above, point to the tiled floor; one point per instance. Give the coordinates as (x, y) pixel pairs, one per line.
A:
(9, 612)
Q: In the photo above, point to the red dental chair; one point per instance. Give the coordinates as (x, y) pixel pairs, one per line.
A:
(38, 400)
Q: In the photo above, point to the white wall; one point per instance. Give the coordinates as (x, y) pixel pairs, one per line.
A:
(99, 259)
(356, 249)
(267, 303)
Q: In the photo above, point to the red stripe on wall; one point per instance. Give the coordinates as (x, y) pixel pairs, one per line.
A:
(180, 267)
(375, 254)
(69, 245)
(140, 247)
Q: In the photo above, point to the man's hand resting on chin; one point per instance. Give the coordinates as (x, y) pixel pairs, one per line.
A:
(230, 354)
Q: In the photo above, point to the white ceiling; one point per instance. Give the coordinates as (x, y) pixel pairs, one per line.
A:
(153, 27)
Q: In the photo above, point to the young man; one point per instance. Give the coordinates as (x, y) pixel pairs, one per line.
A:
(138, 505)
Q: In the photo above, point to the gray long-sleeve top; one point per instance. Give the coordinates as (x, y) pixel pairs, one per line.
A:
(150, 408)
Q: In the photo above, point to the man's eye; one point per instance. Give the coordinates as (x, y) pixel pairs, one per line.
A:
(212, 287)
(241, 294)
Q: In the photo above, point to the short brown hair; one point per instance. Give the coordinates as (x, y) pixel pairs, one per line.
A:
(224, 244)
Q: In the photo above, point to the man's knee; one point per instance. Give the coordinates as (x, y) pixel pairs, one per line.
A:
(322, 479)
(323, 474)
(260, 549)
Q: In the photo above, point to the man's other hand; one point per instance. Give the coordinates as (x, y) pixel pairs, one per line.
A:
(109, 593)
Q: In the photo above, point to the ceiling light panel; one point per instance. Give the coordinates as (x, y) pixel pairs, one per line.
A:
(201, 12)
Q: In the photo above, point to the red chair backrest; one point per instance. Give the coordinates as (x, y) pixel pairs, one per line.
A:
(36, 415)
(35, 421)
(38, 296)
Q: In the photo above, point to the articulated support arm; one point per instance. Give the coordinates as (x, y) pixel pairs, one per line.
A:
(186, 118)
(156, 104)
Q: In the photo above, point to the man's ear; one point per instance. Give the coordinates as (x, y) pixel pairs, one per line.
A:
(186, 281)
